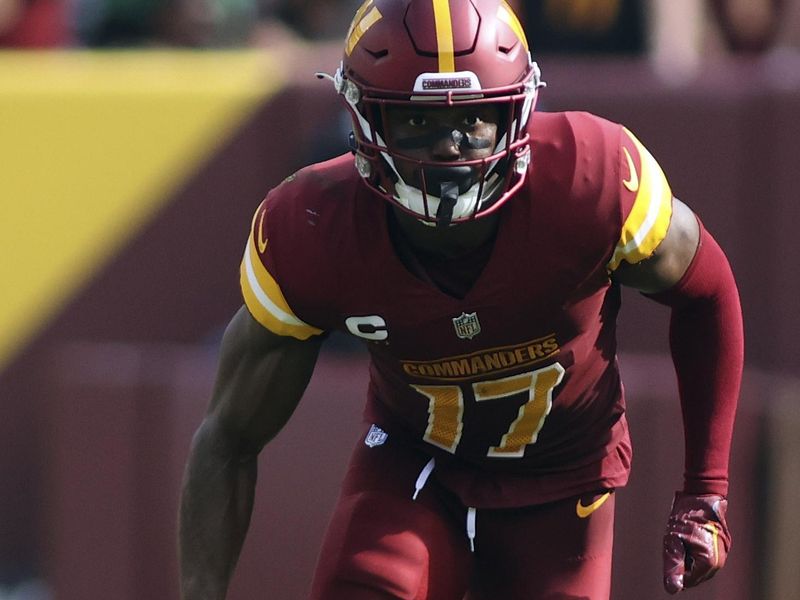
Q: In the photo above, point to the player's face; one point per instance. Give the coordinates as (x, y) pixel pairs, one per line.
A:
(441, 134)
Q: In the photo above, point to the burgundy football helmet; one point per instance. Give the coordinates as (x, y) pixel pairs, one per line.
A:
(439, 53)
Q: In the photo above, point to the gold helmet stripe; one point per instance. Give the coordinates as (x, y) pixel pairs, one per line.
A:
(444, 36)
(361, 23)
(506, 14)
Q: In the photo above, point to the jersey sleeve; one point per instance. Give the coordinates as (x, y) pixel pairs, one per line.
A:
(261, 288)
(646, 203)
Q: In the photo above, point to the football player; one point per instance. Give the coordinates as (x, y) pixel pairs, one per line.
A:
(477, 249)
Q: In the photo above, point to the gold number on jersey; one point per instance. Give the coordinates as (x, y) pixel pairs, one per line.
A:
(525, 429)
(445, 414)
(446, 409)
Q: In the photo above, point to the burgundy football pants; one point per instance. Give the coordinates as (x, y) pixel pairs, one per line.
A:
(382, 544)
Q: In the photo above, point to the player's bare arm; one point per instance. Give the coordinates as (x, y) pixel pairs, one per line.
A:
(260, 380)
(670, 260)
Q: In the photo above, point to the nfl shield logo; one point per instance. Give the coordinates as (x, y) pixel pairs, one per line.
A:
(467, 326)
(375, 436)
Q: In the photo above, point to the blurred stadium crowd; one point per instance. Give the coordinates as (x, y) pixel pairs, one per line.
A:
(609, 26)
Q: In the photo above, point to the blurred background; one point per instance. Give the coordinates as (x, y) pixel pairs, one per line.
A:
(138, 136)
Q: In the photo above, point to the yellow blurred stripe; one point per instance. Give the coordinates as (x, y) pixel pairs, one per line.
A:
(92, 145)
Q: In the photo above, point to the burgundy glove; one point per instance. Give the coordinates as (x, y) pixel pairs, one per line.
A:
(697, 540)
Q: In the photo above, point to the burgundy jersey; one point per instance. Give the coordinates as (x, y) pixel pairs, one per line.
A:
(514, 387)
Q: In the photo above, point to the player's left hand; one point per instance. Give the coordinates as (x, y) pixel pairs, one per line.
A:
(697, 540)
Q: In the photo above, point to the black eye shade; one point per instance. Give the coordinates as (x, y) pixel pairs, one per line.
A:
(462, 138)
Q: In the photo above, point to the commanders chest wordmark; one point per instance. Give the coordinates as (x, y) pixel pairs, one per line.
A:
(492, 360)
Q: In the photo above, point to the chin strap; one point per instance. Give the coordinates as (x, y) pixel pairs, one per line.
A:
(448, 198)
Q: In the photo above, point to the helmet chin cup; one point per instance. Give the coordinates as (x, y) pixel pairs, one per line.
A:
(448, 183)
(457, 179)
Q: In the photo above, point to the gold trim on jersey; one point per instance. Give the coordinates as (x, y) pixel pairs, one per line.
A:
(647, 224)
(444, 36)
(361, 24)
(264, 298)
(506, 14)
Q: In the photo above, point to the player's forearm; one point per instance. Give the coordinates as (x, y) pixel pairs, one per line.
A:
(707, 348)
(216, 505)
(708, 356)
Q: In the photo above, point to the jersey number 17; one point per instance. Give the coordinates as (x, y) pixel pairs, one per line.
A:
(446, 409)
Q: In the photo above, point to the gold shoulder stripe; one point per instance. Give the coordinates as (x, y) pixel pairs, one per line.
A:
(647, 224)
(444, 36)
(506, 14)
(264, 298)
(361, 24)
